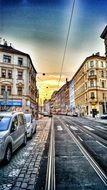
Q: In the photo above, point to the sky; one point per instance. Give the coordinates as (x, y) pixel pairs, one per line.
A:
(40, 28)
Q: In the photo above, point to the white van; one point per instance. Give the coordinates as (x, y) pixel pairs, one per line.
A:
(12, 133)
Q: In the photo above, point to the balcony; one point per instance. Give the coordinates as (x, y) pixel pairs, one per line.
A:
(92, 76)
(6, 79)
(93, 100)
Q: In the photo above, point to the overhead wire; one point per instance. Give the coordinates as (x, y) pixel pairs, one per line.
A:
(66, 43)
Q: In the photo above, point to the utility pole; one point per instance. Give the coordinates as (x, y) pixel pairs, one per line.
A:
(105, 104)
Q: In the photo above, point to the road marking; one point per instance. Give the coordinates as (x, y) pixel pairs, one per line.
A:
(101, 144)
(89, 128)
(74, 128)
(80, 138)
(88, 135)
(101, 127)
(67, 125)
(59, 128)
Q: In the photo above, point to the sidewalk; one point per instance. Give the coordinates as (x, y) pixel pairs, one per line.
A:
(97, 119)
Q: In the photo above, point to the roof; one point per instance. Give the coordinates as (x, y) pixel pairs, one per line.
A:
(93, 56)
(9, 114)
(10, 49)
(104, 33)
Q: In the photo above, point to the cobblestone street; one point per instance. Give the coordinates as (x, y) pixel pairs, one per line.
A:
(23, 170)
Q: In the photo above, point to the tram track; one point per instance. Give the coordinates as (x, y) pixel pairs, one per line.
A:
(50, 174)
(57, 160)
(97, 136)
(101, 173)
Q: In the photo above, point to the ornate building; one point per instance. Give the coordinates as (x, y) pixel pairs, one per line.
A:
(90, 85)
(17, 79)
(104, 36)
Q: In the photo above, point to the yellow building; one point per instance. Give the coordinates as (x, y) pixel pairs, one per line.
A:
(90, 85)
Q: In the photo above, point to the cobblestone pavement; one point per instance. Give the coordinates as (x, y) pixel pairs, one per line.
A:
(23, 170)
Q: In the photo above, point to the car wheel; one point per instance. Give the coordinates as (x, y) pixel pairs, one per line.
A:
(25, 140)
(8, 154)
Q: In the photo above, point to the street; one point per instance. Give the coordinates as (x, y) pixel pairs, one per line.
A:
(80, 156)
(23, 170)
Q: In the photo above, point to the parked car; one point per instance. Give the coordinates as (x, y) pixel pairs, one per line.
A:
(104, 116)
(31, 125)
(12, 133)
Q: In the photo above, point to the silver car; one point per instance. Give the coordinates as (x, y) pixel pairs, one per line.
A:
(12, 133)
(31, 125)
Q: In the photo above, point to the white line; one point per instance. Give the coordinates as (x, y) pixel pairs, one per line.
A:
(89, 128)
(59, 128)
(80, 138)
(74, 128)
(88, 135)
(101, 144)
(67, 125)
(101, 127)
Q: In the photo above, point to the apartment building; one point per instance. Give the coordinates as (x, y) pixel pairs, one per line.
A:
(90, 86)
(104, 36)
(60, 99)
(17, 80)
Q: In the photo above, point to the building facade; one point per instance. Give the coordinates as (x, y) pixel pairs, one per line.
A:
(17, 80)
(60, 99)
(90, 84)
(104, 36)
(71, 96)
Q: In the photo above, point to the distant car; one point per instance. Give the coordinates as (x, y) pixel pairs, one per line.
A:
(31, 125)
(104, 116)
(12, 133)
(45, 114)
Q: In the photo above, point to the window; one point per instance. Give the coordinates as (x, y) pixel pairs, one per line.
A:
(2, 89)
(9, 74)
(92, 73)
(20, 75)
(21, 119)
(102, 64)
(91, 63)
(6, 59)
(19, 91)
(15, 122)
(91, 83)
(103, 84)
(102, 73)
(9, 90)
(20, 61)
(92, 95)
(3, 73)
